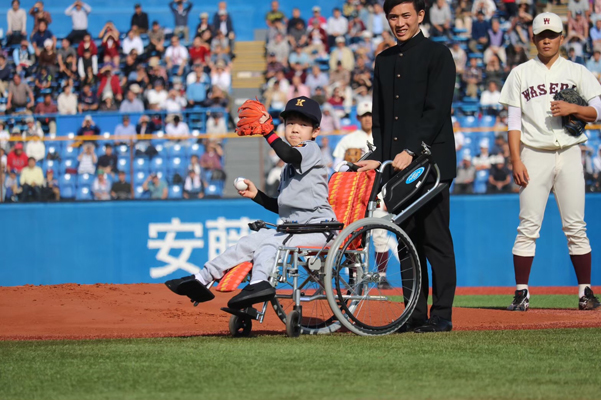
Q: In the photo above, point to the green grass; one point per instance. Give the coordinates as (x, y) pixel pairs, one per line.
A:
(545, 364)
(502, 301)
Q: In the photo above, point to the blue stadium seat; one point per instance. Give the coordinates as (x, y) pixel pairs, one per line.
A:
(54, 148)
(488, 121)
(123, 164)
(197, 150)
(214, 189)
(160, 148)
(85, 180)
(175, 192)
(176, 165)
(468, 121)
(176, 150)
(84, 193)
(69, 163)
(122, 150)
(141, 164)
(481, 181)
(67, 179)
(70, 152)
(53, 165)
(139, 192)
(140, 177)
(158, 164)
(67, 191)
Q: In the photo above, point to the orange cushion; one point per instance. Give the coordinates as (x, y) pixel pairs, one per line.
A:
(232, 279)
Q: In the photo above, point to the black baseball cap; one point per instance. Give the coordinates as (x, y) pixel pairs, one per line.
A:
(305, 106)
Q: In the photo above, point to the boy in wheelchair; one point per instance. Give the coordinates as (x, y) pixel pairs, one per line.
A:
(303, 198)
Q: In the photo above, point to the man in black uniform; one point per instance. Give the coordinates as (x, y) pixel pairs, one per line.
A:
(412, 96)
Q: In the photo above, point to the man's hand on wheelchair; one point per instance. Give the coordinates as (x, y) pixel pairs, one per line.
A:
(249, 192)
(367, 165)
(402, 161)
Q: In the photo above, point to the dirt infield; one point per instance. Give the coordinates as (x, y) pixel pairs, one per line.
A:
(74, 311)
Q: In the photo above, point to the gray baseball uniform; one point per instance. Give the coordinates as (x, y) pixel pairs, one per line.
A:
(303, 198)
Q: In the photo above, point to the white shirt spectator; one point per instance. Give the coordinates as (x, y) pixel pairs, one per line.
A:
(487, 6)
(17, 20)
(35, 149)
(79, 17)
(101, 190)
(355, 140)
(156, 97)
(193, 185)
(191, 78)
(4, 136)
(174, 105)
(459, 140)
(223, 80)
(87, 164)
(490, 99)
(177, 54)
(130, 44)
(337, 26)
(67, 103)
(181, 129)
(216, 127)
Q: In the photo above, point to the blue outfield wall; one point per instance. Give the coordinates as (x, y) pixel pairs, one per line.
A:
(146, 241)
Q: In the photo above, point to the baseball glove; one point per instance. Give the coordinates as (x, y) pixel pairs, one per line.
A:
(571, 124)
(250, 113)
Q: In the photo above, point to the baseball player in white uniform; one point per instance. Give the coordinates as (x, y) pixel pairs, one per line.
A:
(359, 139)
(545, 158)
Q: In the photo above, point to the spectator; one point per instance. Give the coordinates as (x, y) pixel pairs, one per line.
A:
(39, 38)
(32, 179)
(39, 14)
(296, 18)
(299, 60)
(109, 87)
(78, 12)
(176, 56)
(219, 55)
(47, 107)
(132, 104)
(216, 125)
(317, 38)
(125, 128)
(297, 33)
(273, 66)
(459, 56)
(50, 189)
(195, 165)
(274, 14)
(520, 31)
(577, 32)
(361, 75)
(572, 56)
(156, 36)
(594, 64)
(595, 32)
(4, 137)
(87, 65)
(479, 37)
(32, 129)
(67, 101)
(24, 58)
(329, 121)
(225, 27)
(174, 102)
(35, 148)
(472, 77)
(356, 29)
(139, 19)
(211, 158)
(576, 6)
(517, 56)
(157, 187)
(65, 51)
(486, 7)
(220, 77)
(377, 22)
(196, 93)
(463, 17)
(133, 42)
(501, 147)
(101, 187)
(111, 44)
(216, 98)
(459, 136)
(343, 55)
(280, 49)
(193, 186)
(493, 70)
(87, 160)
(203, 25)
(20, 97)
(88, 101)
(121, 189)
(43, 81)
(489, 99)
(16, 159)
(316, 79)
(200, 52)
(466, 173)
(499, 179)
(145, 127)
(359, 139)
(17, 24)
(440, 19)
(140, 81)
(340, 75)
(87, 44)
(198, 70)
(337, 26)
(108, 161)
(321, 20)
(157, 96)
(275, 99)
(176, 127)
(497, 40)
(88, 128)
(181, 11)
(483, 160)
(11, 186)
(5, 73)
(298, 89)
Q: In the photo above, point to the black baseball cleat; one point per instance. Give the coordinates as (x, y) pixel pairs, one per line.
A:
(589, 301)
(252, 294)
(411, 325)
(191, 287)
(520, 301)
(435, 324)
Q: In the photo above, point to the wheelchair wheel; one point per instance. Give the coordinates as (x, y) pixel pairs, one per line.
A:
(293, 328)
(373, 277)
(317, 316)
(240, 327)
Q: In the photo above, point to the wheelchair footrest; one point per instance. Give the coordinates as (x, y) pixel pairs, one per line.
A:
(248, 313)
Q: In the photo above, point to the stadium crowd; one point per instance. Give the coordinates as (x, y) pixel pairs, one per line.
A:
(181, 80)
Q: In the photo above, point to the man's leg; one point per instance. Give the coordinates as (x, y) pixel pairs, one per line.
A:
(415, 232)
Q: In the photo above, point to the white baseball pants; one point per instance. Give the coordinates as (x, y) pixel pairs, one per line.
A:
(559, 171)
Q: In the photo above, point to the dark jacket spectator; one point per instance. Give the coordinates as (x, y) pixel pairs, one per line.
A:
(140, 19)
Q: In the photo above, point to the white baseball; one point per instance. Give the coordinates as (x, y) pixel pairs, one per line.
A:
(239, 184)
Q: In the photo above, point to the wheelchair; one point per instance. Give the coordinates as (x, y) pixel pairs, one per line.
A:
(366, 279)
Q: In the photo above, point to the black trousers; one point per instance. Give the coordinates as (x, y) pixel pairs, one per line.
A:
(429, 231)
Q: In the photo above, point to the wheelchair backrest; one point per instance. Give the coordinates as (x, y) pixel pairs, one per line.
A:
(349, 194)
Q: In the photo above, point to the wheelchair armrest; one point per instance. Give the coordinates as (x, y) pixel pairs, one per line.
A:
(322, 227)
(259, 224)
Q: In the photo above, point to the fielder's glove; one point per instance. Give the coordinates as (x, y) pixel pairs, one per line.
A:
(571, 124)
(250, 113)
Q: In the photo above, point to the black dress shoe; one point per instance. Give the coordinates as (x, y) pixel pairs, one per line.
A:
(410, 325)
(435, 324)
(252, 294)
(189, 286)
